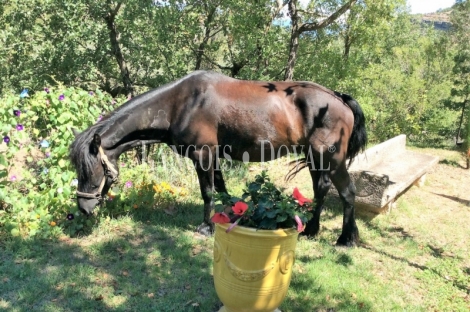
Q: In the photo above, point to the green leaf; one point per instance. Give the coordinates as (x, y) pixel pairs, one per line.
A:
(281, 218)
(254, 187)
(65, 176)
(272, 213)
(3, 160)
(3, 173)
(15, 232)
(62, 163)
(268, 224)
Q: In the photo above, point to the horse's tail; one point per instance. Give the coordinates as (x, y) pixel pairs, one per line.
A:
(358, 139)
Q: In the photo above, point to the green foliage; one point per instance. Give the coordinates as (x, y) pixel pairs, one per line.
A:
(460, 95)
(37, 181)
(397, 70)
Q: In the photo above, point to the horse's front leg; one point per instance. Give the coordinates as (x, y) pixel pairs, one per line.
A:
(205, 174)
(219, 183)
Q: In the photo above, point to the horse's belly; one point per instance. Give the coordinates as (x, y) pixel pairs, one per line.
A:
(260, 150)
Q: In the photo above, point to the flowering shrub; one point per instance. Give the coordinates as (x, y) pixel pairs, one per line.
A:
(263, 206)
(37, 182)
(137, 189)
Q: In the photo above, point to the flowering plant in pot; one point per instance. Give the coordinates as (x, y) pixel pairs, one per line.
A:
(254, 245)
(263, 206)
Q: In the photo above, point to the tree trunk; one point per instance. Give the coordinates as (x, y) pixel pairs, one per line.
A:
(347, 43)
(297, 28)
(116, 49)
(294, 40)
(207, 36)
(458, 139)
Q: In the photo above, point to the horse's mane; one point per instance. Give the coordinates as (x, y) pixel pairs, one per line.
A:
(79, 151)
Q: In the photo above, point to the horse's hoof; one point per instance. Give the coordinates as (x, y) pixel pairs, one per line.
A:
(205, 229)
(344, 241)
(311, 230)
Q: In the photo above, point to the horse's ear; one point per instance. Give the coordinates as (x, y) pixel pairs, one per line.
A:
(96, 140)
(95, 144)
(75, 132)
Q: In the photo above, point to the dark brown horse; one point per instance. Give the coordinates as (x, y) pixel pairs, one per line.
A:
(206, 115)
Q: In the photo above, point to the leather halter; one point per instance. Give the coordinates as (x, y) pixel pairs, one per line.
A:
(109, 172)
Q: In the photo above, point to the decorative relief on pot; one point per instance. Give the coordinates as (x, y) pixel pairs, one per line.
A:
(245, 275)
(286, 261)
(217, 253)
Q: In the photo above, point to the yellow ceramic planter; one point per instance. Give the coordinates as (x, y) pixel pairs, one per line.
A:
(252, 268)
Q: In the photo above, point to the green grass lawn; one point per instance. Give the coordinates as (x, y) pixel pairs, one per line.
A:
(414, 259)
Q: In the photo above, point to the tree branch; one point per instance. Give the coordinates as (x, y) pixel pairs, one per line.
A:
(327, 21)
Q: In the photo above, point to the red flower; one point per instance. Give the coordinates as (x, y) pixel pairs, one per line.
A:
(300, 226)
(300, 198)
(220, 217)
(239, 208)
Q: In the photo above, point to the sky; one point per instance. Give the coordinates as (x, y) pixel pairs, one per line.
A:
(428, 6)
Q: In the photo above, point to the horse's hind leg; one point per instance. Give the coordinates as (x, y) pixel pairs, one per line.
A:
(321, 185)
(347, 191)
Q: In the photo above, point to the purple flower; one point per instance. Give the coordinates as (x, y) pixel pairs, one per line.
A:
(46, 90)
(91, 93)
(13, 178)
(100, 117)
(6, 139)
(128, 184)
(17, 112)
(19, 127)
(123, 164)
(61, 97)
(70, 216)
(48, 154)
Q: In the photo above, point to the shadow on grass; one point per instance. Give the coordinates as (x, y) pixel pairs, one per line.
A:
(452, 163)
(138, 265)
(329, 282)
(434, 252)
(456, 199)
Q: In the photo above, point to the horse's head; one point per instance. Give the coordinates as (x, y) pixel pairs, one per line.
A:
(95, 171)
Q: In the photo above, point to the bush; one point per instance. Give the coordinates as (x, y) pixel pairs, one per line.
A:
(36, 180)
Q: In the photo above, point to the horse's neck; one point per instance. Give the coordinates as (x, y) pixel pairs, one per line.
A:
(141, 123)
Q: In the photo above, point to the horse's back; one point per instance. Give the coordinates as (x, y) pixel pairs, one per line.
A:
(281, 112)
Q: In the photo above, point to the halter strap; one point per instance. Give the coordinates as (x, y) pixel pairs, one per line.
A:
(109, 171)
(107, 164)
